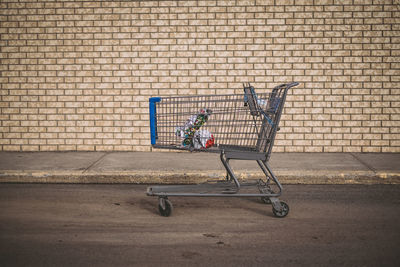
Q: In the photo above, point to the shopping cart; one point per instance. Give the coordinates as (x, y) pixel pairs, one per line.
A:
(237, 126)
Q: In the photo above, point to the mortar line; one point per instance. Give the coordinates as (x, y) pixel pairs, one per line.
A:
(94, 163)
(363, 163)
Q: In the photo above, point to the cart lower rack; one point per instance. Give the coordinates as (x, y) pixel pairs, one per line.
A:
(237, 126)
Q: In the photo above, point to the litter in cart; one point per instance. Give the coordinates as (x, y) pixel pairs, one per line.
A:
(237, 126)
(190, 134)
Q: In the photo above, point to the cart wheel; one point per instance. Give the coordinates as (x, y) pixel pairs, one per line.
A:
(266, 200)
(167, 210)
(283, 212)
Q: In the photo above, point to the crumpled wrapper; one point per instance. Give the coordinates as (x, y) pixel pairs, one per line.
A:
(203, 139)
(190, 130)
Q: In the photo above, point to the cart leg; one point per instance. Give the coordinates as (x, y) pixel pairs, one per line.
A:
(228, 177)
(229, 171)
(279, 208)
(269, 174)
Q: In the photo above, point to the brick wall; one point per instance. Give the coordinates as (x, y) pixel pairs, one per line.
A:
(77, 75)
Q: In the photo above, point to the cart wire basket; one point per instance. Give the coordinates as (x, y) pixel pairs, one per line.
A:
(237, 126)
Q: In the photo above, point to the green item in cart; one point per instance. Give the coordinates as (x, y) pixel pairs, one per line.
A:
(193, 124)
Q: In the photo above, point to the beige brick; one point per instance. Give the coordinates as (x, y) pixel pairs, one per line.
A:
(61, 57)
(85, 148)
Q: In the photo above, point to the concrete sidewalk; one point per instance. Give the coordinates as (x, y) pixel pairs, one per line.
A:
(171, 167)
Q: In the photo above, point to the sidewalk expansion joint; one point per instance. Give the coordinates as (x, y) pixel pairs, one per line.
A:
(364, 163)
(94, 163)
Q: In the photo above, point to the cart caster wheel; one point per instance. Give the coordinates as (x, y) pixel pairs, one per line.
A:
(282, 212)
(165, 208)
(266, 200)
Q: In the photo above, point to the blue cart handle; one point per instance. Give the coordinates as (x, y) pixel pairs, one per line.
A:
(153, 118)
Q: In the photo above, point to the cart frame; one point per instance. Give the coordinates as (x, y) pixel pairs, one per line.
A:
(269, 190)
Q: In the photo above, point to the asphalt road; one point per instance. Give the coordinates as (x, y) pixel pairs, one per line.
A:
(118, 225)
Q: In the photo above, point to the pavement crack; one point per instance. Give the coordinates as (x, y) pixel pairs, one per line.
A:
(363, 162)
(94, 163)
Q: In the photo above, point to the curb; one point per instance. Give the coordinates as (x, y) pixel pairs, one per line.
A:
(193, 177)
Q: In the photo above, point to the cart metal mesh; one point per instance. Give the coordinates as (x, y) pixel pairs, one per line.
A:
(245, 122)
